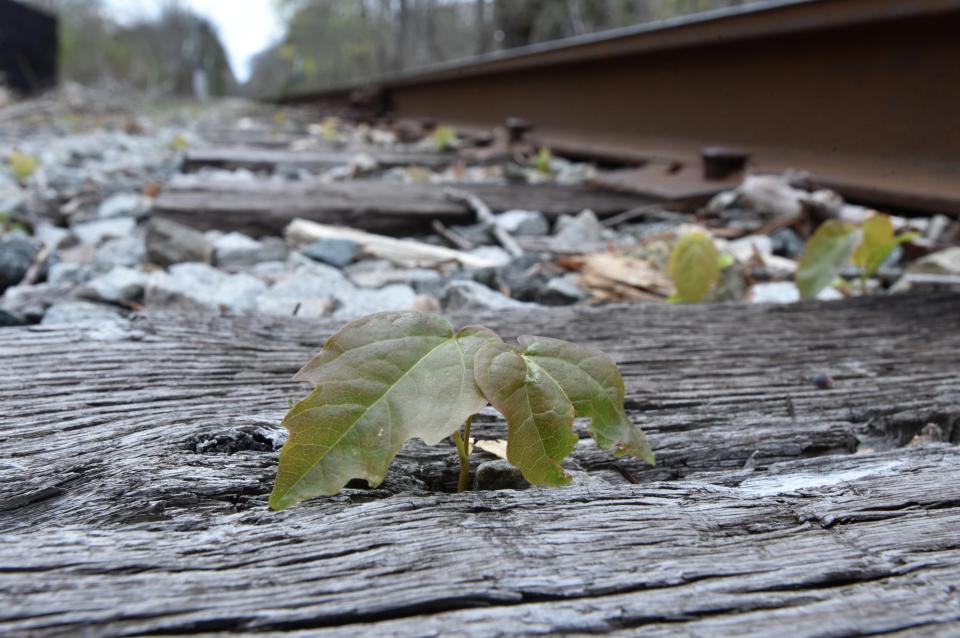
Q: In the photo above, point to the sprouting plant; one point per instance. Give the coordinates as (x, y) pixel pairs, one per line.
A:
(444, 138)
(328, 129)
(879, 240)
(835, 243)
(543, 162)
(22, 165)
(179, 143)
(694, 267)
(393, 376)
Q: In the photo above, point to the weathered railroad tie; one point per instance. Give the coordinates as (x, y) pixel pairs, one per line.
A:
(139, 458)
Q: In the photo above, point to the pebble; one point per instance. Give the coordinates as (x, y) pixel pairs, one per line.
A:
(579, 234)
(560, 291)
(499, 475)
(51, 236)
(124, 205)
(463, 294)
(787, 243)
(72, 312)
(169, 243)
(196, 286)
(16, 256)
(236, 251)
(94, 232)
(523, 222)
(120, 285)
(336, 252)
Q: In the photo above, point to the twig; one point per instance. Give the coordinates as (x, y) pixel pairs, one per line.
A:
(452, 237)
(33, 273)
(485, 216)
(633, 213)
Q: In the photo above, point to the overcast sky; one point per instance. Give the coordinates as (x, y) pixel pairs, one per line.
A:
(246, 27)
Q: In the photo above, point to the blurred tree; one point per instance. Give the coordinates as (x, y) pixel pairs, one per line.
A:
(330, 42)
(176, 53)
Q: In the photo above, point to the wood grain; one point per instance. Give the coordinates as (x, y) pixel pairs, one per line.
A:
(136, 462)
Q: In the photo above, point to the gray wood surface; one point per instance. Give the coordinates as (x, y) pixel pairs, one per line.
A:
(136, 461)
(259, 207)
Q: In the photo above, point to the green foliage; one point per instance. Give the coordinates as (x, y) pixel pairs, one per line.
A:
(825, 254)
(328, 129)
(878, 242)
(22, 165)
(393, 376)
(694, 267)
(543, 162)
(444, 138)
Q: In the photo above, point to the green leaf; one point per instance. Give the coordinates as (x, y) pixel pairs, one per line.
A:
(881, 255)
(380, 381)
(591, 381)
(826, 252)
(878, 242)
(445, 138)
(543, 162)
(539, 416)
(22, 165)
(877, 231)
(694, 266)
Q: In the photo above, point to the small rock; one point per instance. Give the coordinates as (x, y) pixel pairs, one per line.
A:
(523, 278)
(120, 285)
(51, 236)
(198, 286)
(499, 475)
(73, 312)
(68, 273)
(235, 251)
(336, 252)
(8, 319)
(16, 256)
(124, 205)
(787, 292)
(31, 302)
(944, 262)
(822, 380)
(523, 222)
(172, 243)
(579, 234)
(560, 291)
(123, 251)
(493, 254)
(96, 231)
(363, 301)
(462, 294)
(787, 243)
(476, 234)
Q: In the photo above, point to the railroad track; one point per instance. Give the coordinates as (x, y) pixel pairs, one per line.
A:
(863, 94)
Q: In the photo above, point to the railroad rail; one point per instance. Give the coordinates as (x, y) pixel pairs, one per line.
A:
(863, 94)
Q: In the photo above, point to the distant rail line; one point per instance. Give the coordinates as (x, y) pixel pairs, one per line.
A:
(863, 94)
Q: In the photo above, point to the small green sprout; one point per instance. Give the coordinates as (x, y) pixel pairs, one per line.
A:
(22, 165)
(543, 162)
(393, 376)
(694, 267)
(444, 139)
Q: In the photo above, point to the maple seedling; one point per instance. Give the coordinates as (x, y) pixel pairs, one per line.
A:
(393, 376)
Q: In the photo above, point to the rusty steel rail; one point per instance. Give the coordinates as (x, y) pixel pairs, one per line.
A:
(863, 94)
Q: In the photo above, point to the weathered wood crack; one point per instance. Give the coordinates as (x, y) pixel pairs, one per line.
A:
(136, 465)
